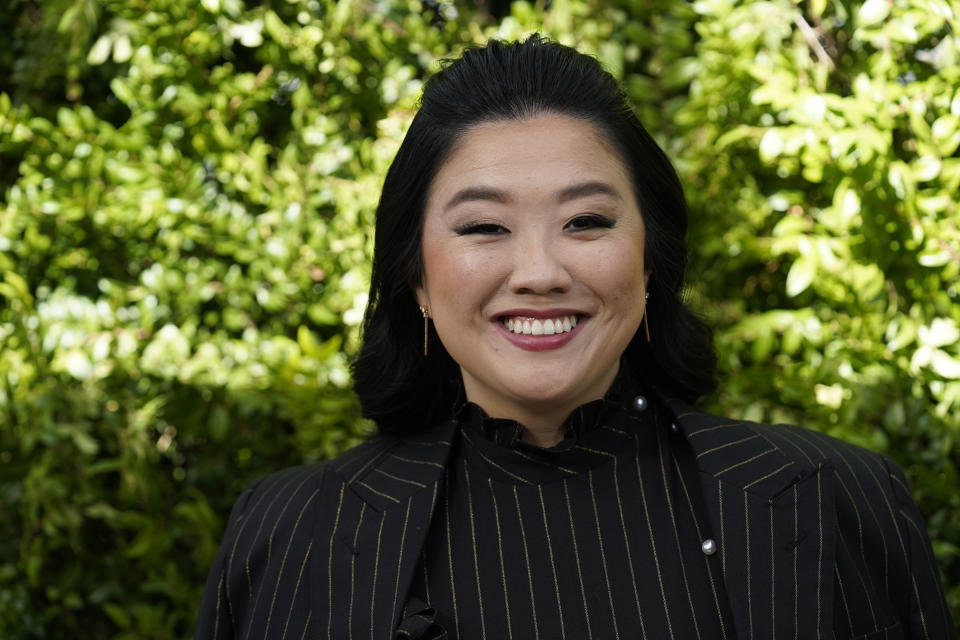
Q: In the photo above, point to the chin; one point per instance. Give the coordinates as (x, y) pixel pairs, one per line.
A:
(553, 394)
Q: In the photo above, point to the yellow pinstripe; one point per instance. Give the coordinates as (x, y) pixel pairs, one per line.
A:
(306, 625)
(503, 570)
(653, 544)
(494, 464)
(769, 475)
(773, 578)
(626, 545)
(333, 534)
(603, 555)
(379, 493)
(296, 588)
(725, 425)
(553, 564)
(545, 463)
(453, 586)
(216, 623)
(286, 552)
(746, 534)
(819, 548)
(676, 532)
(473, 543)
(399, 479)
(376, 573)
(353, 570)
(732, 443)
(526, 557)
(796, 553)
(843, 598)
(743, 462)
(576, 554)
(412, 461)
(403, 539)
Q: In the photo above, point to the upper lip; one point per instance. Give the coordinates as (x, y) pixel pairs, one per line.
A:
(537, 313)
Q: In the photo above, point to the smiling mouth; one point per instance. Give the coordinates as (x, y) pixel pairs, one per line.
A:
(540, 326)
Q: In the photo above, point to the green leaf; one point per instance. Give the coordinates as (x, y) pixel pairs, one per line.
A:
(801, 275)
(100, 51)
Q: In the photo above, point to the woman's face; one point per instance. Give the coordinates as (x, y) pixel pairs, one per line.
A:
(533, 263)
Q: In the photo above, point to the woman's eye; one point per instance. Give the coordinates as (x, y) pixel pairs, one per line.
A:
(590, 221)
(481, 228)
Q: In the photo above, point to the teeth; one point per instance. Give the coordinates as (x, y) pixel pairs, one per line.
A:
(538, 327)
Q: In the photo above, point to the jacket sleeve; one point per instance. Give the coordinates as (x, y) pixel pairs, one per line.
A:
(214, 621)
(929, 617)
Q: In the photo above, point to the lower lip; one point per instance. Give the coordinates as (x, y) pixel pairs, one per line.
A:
(539, 343)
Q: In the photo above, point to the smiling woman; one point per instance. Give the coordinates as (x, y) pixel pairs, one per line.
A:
(541, 470)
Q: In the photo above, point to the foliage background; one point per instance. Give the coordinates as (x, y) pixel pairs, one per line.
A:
(185, 216)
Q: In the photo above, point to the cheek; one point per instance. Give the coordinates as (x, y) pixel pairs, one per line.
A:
(619, 274)
(454, 275)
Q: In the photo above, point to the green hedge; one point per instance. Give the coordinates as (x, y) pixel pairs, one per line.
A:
(187, 198)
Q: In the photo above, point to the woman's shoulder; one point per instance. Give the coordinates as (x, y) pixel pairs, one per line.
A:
(791, 449)
(307, 478)
(381, 458)
(804, 449)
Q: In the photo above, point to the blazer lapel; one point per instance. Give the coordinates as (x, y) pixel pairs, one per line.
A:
(773, 519)
(386, 509)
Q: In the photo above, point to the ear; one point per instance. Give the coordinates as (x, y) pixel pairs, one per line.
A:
(420, 293)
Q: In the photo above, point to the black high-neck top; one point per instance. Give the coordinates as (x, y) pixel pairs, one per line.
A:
(600, 536)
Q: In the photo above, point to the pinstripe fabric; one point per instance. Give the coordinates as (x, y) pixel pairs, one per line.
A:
(592, 538)
(817, 539)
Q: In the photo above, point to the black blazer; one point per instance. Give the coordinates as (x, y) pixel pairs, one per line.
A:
(819, 539)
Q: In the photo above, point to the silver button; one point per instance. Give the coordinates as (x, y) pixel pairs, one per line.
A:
(640, 403)
(709, 547)
(674, 428)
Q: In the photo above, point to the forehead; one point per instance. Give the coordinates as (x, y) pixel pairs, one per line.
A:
(533, 154)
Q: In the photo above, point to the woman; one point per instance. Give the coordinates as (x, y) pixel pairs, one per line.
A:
(540, 471)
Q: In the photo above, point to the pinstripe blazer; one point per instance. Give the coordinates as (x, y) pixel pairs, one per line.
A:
(818, 539)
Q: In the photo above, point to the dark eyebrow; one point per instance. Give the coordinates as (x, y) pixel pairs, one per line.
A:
(490, 194)
(585, 189)
(471, 194)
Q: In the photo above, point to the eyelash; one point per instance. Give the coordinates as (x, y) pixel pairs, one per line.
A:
(482, 228)
(579, 223)
(593, 221)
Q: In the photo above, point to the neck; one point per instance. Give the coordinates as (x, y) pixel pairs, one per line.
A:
(542, 430)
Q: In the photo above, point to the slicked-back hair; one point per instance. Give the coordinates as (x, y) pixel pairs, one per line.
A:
(404, 391)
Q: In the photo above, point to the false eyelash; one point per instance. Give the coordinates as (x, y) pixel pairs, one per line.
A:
(596, 222)
(484, 228)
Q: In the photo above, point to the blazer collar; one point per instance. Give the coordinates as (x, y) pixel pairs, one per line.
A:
(774, 518)
(403, 467)
(737, 453)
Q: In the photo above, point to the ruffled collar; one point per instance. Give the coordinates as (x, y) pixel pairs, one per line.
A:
(594, 433)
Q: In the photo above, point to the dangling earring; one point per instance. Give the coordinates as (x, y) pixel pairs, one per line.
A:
(426, 316)
(646, 322)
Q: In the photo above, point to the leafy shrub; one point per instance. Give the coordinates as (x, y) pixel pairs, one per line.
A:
(185, 236)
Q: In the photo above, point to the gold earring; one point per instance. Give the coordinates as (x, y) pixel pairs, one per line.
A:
(646, 322)
(426, 316)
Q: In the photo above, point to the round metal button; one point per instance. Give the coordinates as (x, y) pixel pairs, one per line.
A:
(640, 403)
(709, 547)
(674, 427)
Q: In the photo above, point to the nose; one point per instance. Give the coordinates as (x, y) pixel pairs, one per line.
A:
(539, 267)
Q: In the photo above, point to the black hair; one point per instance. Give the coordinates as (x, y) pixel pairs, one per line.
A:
(404, 391)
